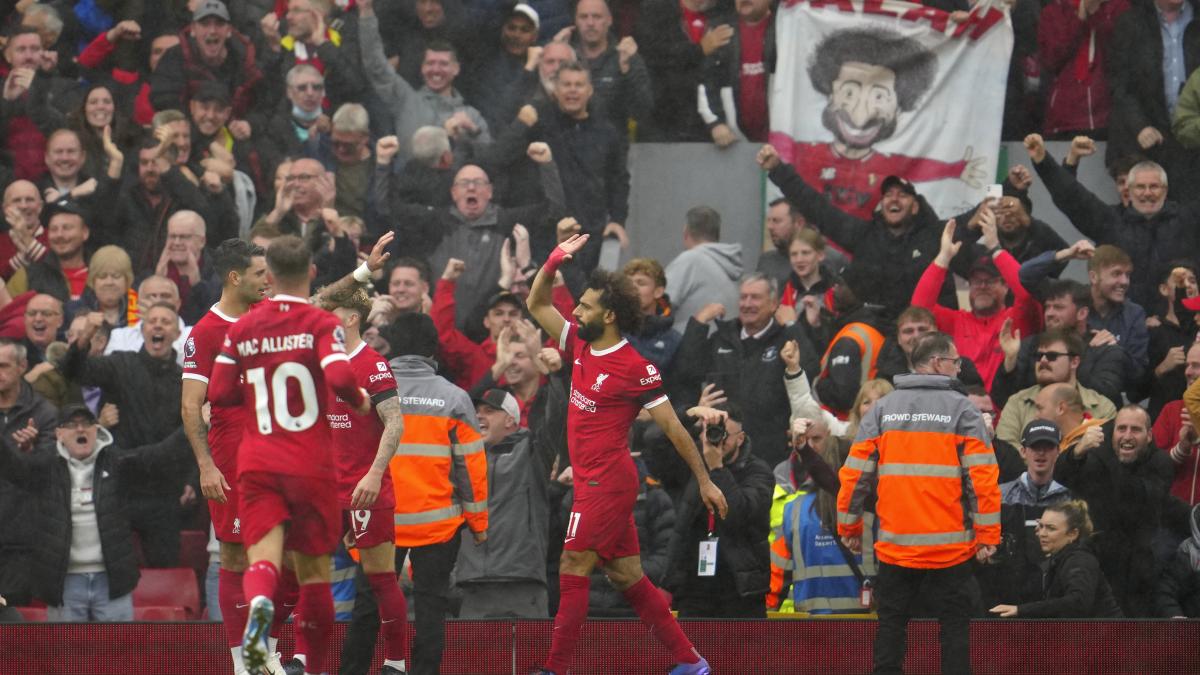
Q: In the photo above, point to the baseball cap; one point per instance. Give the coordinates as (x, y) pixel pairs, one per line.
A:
(896, 181)
(211, 8)
(501, 400)
(71, 412)
(64, 205)
(1041, 431)
(984, 264)
(528, 12)
(505, 296)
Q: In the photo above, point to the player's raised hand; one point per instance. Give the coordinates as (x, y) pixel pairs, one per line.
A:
(714, 499)
(379, 254)
(366, 492)
(572, 245)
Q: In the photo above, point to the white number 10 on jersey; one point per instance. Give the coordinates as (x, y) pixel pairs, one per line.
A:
(264, 406)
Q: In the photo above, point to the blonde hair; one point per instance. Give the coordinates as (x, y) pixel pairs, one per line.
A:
(878, 386)
(107, 260)
(1076, 513)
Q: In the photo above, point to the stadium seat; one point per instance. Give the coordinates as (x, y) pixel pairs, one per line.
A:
(171, 587)
(159, 614)
(32, 613)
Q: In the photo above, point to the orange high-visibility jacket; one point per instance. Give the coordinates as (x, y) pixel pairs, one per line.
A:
(440, 469)
(924, 451)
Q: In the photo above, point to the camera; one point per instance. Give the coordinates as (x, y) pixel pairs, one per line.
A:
(716, 434)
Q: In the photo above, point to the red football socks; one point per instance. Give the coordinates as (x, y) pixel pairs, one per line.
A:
(572, 611)
(314, 620)
(393, 613)
(655, 613)
(260, 578)
(287, 594)
(233, 605)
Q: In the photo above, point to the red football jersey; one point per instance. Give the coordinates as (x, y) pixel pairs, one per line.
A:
(608, 389)
(356, 437)
(200, 350)
(282, 348)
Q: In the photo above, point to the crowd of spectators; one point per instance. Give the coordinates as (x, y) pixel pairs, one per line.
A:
(136, 137)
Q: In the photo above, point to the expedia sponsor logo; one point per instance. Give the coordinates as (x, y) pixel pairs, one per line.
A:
(380, 376)
(582, 402)
(651, 380)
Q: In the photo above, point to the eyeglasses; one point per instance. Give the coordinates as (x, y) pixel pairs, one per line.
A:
(80, 425)
(300, 177)
(1052, 356)
(990, 281)
(472, 182)
(309, 86)
(42, 312)
(956, 360)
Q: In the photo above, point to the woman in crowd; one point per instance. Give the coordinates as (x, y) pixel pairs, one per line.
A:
(97, 111)
(1074, 587)
(110, 278)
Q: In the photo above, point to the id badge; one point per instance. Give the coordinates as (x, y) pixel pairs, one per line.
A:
(864, 595)
(707, 565)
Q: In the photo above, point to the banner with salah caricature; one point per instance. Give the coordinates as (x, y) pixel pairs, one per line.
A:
(864, 89)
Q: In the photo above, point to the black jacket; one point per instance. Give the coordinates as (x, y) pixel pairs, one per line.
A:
(17, 509)
(1151, 242)
(181, 71)
(47, 479)
(140, 227)
(1128, 503)
(893, 362)
(743, 553)
(723, 70)
(1073, 588)
(899, 260)
(749, 371)
(1136, 80)
(590, 156)
(676, 67)
(147, 394)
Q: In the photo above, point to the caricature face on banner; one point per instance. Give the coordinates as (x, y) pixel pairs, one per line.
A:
(865, 90)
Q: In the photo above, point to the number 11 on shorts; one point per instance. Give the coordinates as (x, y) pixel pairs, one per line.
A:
(572, 526)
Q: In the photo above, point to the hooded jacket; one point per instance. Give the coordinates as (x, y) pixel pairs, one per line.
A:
(704, 274)
(47, 478)
(1179, 586)
(657, 342)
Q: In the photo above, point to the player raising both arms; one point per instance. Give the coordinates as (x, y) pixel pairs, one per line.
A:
(362, 450)
(610, 384)
(243, 273)
(286, 353)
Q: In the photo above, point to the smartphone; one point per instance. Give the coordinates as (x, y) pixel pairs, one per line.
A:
(994, 192)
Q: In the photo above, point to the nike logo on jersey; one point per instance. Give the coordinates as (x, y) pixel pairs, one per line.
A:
(578, 363)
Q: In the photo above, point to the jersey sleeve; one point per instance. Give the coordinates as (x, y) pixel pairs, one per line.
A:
(200, 351)
(647, 385)
(223, 387)
(329, 341)
(567, 340)
(380, 384)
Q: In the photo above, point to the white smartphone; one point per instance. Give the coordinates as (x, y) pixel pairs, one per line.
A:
(994, 192)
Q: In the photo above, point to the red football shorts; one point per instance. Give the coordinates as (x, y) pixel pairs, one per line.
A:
(370, 527)
(225, 521)
(306, 505)
(603, 522)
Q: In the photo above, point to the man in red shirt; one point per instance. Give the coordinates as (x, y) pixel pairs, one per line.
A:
(976, 332)
(288, 355)
(362, 449)
(611, 385)
(243, 273)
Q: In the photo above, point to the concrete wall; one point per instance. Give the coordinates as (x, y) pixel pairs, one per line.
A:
(668, 179)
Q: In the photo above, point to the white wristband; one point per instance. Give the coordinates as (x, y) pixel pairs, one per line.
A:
(362, 274)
